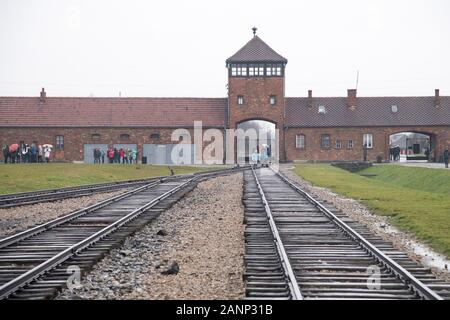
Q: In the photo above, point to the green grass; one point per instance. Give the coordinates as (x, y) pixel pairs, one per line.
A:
(416, 200)
(29, 177)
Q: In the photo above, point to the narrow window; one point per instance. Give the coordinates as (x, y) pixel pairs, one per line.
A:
(251, 70)
(300, 141)
(350, 144)
(95, 136)
(273, 100)
(240, 100)
(124, 136)
(233, 70)
(338, 144)
(269, 70)
(155, 135)
(325, 141)
(368, 140)
(60, 142)
(244, 70)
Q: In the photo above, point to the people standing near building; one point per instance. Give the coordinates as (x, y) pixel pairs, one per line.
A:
(427, 154)
(33, 153)
(365, 152)
(446, 157)
(111, 155)
(116, 156)
(102, 152)
(121, 155)
(47, 152)
(40, 153)
(5, 152)
(134, 155)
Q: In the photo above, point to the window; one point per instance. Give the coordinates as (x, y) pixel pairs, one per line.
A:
(124, 136)
(300, 141)
(273, 70)
(350, 144)
(238, 70)
(273, 100)
(338, 144)
(240, 100)
(394, 109)
(155, 135)
(322, 109)
(325, 141)
(95, 136)
(60, 142)
(368, 140)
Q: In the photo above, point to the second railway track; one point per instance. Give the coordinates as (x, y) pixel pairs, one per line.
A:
(36, 263)
(298, 249)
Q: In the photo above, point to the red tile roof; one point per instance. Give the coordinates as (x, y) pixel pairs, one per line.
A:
(256, 50)
(73, 112)
(370, 111)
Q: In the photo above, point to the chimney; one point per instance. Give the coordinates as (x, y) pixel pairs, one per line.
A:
(309, 98)
(43, 95)
(437, 98)
(351, 98)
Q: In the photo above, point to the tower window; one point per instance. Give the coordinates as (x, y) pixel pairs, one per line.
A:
(238, 70)
(273, 100)
(240, 100)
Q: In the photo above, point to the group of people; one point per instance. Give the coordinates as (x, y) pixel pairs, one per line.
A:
(261, 155)
(394, 153)
(24, 153)
(115, 155)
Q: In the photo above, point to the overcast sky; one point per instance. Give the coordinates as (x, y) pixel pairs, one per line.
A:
(178, 48)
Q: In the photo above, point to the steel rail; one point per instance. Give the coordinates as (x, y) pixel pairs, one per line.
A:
(404, 275)
(26, 198)
(286, 265)
(24, 279)
(71, 216)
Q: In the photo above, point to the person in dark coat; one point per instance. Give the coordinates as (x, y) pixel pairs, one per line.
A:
(6, 153)
(446, 157)
(365, 152)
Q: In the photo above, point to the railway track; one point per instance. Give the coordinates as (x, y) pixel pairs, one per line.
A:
(296, 248)
(26, 198)
(36, 263)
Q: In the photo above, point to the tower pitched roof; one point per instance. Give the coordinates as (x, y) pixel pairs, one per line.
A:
(256, 50)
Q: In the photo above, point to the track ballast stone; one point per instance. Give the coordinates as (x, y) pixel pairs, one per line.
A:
(202, 234)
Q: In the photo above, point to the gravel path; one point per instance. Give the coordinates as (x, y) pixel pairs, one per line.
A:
(16, 219)
(203, 234)
(379, 225)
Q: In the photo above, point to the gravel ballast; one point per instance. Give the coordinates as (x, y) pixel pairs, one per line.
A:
(378, 225)
(194, 250)
(17, 219)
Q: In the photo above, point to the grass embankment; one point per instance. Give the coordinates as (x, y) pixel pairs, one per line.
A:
(416, 200)
(29, 177)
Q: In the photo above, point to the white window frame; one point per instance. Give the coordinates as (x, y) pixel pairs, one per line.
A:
(240, 100)
(300, 141)
(368, 140)
(350, 144)
(338, 144)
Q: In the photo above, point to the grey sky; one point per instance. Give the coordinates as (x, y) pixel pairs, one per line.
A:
(178, 48)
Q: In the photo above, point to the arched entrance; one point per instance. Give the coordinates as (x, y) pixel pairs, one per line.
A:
(411, 146)
(256, 139)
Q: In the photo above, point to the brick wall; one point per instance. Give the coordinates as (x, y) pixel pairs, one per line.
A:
(75, 138)
(256, 92)
(440, 137)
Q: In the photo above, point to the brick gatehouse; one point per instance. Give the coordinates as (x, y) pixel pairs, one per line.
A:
(310, 128)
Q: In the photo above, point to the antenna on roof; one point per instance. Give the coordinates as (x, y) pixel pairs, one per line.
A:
(357, 79)
(254, 31)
